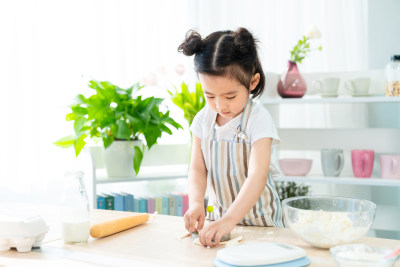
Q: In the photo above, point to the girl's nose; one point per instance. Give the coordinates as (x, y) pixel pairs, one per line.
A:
(221, 104)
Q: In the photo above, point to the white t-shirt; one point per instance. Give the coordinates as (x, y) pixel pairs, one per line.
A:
(260, 125)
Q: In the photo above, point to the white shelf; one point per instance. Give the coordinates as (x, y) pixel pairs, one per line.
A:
(339, 180)
(145, 174)
(141, 178)
(338, 100)
(102, 179)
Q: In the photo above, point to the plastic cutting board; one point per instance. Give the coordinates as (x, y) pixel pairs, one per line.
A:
(262, 254)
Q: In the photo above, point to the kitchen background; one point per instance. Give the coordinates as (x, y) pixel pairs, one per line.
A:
(49, 50)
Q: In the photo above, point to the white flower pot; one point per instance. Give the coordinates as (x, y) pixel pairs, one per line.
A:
(118, 159)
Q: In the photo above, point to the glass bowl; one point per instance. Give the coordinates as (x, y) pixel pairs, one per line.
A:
(361, 255)
(327, 221)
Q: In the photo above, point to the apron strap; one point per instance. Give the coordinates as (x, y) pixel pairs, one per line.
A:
(240, 133)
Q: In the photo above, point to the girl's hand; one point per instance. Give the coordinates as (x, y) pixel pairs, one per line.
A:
(216, 230)
(194, 217)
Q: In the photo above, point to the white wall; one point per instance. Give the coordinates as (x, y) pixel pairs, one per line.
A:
(383, 32)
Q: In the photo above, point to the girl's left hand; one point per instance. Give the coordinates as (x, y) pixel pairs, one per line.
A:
(215, 230)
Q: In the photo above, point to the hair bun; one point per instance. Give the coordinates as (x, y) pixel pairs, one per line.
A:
(192, 44)
(244, 41)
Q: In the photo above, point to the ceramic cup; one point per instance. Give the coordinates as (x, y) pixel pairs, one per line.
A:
(358, 87)
(390, 166)
(326, 86)
(362, 162)
(332, 161)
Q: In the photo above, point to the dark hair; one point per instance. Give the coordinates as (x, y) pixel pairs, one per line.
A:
(226, 52)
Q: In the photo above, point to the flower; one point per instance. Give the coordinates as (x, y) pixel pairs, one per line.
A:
(302, 48)
(313, 33)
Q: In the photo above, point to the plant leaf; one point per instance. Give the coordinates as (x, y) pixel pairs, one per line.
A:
(71, 116)
(137, 159)
(107, 140)
(78, 124)
(65, 142)
(123, 130)
(79, 144)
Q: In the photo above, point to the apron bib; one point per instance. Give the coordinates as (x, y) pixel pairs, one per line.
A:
(227, 168)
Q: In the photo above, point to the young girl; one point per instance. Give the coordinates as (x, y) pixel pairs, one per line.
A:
(232, 138)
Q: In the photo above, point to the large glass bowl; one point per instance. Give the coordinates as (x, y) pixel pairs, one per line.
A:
(327, 221)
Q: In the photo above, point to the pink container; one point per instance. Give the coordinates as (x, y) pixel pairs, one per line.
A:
(295, 167)
(362, 162)
(390, 166)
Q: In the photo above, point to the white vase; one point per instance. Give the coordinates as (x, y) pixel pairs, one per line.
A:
(118, 159)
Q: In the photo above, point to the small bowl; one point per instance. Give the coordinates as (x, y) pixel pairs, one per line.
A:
(361, 255)
(327, 221)
(295, 167)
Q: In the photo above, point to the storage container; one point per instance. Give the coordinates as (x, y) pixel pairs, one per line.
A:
(392, 73)
(21, 232)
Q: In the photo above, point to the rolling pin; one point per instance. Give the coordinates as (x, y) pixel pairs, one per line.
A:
(117, 225)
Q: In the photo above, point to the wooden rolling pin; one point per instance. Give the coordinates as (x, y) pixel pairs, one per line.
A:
(117, 225)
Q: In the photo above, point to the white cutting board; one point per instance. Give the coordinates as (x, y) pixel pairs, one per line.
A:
(260, 253)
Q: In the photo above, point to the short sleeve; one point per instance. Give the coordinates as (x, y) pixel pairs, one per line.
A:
(261, 125)
(197, 125)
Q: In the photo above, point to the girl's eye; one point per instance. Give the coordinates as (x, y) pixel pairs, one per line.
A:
(210, 97)
(232, 97)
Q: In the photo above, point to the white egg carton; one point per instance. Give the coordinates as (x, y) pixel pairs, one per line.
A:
(22, 232)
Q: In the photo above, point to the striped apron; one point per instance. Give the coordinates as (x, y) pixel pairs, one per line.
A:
(227, 168)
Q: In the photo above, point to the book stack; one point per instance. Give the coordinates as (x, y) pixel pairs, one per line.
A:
(172, 204)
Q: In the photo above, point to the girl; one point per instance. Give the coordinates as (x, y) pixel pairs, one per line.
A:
(233, 138)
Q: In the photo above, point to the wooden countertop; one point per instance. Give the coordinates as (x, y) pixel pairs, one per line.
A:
(157, 244)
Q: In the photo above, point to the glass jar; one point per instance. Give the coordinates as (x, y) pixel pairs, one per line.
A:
(392, 73)
(74, 209)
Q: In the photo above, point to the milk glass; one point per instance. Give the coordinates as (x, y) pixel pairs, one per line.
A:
(74, 209)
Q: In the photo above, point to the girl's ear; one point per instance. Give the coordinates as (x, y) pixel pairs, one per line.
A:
(254, 81)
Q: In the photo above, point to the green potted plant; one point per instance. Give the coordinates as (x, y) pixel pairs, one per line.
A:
(291, 189)
(126, 124)
(190, 102)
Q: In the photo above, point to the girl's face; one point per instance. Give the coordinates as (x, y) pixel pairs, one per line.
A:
(226, 95)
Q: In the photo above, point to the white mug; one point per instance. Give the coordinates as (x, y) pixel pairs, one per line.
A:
(326, 86)
(359, 86)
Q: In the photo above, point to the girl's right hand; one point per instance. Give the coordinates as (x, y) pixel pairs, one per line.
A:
(194, 217)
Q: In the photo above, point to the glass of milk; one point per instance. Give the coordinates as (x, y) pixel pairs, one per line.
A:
(74, 209)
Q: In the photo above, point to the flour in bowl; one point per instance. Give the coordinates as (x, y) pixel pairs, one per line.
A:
(326, 229)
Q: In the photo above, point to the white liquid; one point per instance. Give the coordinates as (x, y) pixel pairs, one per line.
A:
(75, 231)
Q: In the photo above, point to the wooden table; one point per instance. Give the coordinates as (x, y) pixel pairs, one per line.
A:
(156, 244)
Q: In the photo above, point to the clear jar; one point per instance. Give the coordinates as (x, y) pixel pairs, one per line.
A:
(74, 209)
(392, 73)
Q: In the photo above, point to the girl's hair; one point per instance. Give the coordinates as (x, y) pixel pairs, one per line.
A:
(226, 53)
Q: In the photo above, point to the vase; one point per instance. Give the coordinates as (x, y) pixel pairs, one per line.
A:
(292, 84)
(118, 158)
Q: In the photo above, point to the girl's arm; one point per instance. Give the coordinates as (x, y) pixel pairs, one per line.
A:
(197, 184)
(251, 190)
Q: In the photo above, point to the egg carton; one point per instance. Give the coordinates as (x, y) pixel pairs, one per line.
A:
(21, 232)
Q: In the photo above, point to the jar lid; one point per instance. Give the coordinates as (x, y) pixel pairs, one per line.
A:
(395, 58)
